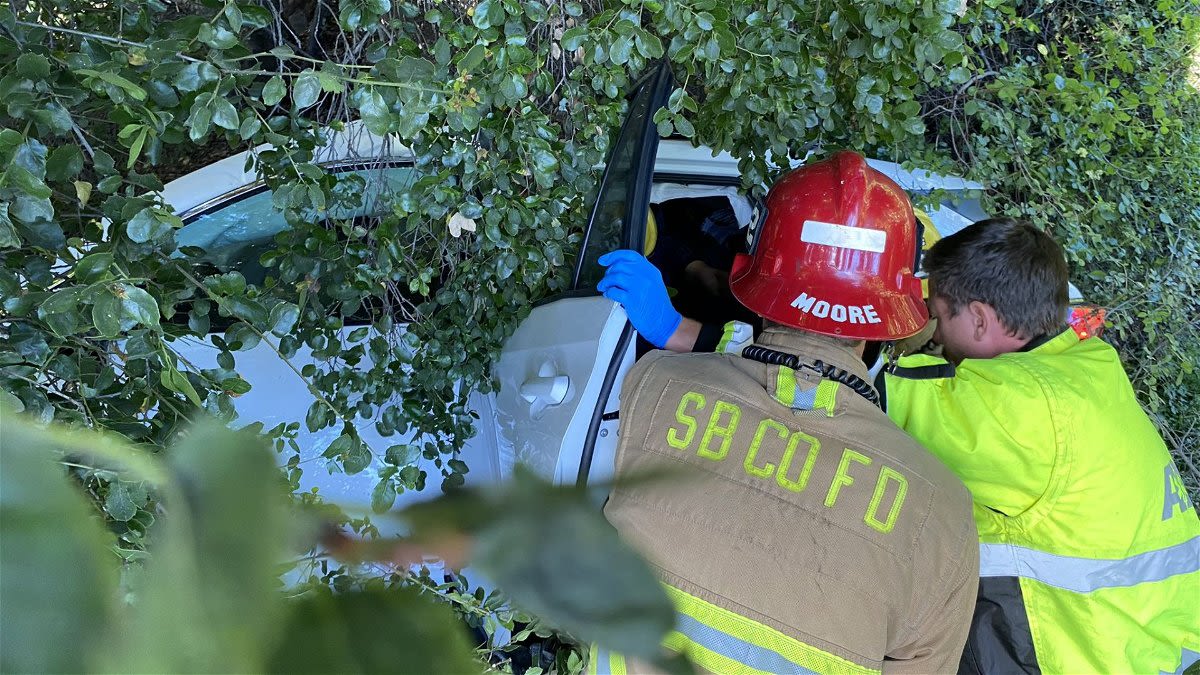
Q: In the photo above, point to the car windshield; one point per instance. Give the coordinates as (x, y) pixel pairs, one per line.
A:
(238, 228)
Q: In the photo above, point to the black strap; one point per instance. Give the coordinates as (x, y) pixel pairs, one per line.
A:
(826, 371)
(934, 371)
(1038, 341)
(709, 337)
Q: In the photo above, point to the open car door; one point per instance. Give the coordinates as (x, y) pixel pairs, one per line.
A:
(564, 362)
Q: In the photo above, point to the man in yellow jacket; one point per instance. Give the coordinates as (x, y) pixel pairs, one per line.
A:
(1090, 548)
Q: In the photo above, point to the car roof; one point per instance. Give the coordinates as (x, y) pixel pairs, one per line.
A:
(677, 156)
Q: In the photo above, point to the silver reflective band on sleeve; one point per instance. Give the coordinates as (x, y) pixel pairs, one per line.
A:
(759, 658)
(601, 660)
(1084, 575)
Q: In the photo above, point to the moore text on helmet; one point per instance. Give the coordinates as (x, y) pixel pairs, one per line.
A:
(822, 309)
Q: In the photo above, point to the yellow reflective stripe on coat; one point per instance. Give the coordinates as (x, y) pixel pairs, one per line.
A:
(605, 662)
(723, 641)
(789, 392)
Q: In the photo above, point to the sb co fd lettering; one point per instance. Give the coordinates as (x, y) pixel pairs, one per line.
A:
(784, 456)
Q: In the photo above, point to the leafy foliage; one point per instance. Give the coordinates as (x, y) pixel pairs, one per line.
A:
(1079, 117)
(1083, 119)
(208, 600)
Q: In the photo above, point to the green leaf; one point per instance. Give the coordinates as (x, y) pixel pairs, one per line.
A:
(572, 38)
(208, 600)
(472, 59)
(198, 121)
(306, 89)
(61, 311)
(42, 233)
(412, 69)
(64, 163)
(235, 386)
(229, 283)
(120, 502)
(620, 49)
(545, 582)
(283, 318)
(56, 575)
(140, 306)
(246, 309)
(403, 455)
(135, 149)
(31, 156)
(441, 52)
(357, 457)
(234, 16)
(225, 115)
(317, 418)
(217, 36)
(145, 226)
(482, 15)
(249, 127)
(135, 92)
(106, 314)
(411, 477)
(513, 87)
(274, 90)
(330, 82)
(372, 631)
(383, 496)
(374, 110)
(33, 66)
(178, 382)
(29, 209)
(8, 234)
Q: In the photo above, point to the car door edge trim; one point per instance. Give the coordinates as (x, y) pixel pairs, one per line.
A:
(610, 378)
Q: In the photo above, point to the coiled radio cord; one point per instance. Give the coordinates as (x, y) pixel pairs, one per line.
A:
(826, 371)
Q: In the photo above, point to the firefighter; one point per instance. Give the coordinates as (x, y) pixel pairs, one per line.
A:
(1090, 549)
(801, 531)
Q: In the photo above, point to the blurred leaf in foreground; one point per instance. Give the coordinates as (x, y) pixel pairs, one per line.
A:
(56, 577)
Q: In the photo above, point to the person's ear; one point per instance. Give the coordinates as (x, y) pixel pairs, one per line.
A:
(981, 318)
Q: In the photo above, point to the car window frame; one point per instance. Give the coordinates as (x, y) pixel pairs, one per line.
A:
(660, 81)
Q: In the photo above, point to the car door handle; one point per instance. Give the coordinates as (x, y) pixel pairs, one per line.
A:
(547, 388)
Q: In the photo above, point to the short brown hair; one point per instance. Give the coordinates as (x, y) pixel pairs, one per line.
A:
(1009, 264)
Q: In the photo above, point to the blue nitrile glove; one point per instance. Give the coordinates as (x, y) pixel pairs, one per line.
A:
(638, 286)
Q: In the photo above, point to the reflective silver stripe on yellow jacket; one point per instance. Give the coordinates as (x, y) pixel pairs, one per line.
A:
(1084, 575)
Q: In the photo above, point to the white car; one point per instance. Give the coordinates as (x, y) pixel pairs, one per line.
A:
(560, 374)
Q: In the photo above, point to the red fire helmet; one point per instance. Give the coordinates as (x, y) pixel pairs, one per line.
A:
(835, 254)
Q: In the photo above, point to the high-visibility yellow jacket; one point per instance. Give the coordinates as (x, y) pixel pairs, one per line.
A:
(1090, 549)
